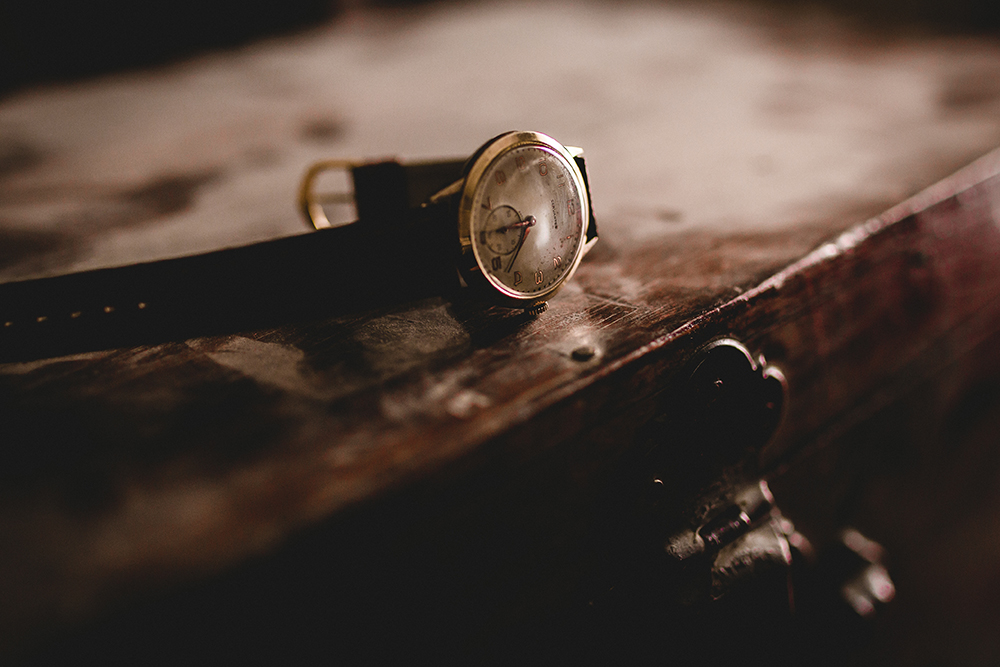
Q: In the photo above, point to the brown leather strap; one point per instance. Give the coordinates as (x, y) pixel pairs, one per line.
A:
(395, 252)
(592, 223)
(387, 192)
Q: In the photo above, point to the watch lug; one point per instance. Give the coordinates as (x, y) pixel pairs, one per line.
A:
(574, 151)
(587, 246)
(449, 191)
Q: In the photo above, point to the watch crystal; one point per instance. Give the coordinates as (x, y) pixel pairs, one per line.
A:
(527, 220)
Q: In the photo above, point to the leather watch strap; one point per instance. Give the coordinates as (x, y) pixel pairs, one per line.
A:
(388, 191)
(592, 222)
(396, 251)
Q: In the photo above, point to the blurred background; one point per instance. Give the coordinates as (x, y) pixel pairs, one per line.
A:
(706, 115)
(65, 40)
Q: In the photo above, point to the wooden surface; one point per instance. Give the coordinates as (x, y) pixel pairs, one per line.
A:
(734, 156)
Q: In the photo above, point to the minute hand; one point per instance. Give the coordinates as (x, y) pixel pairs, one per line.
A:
(527, 223)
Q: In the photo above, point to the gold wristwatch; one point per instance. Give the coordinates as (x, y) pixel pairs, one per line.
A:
(507, 226)
(520, 213)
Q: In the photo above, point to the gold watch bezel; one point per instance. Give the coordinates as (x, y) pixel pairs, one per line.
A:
(471, 266)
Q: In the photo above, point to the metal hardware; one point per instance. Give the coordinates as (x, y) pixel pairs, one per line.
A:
(710, 558)
(866, 585)
(732, 533)
(734, 400)
(755, 505)
(312, 203)
(738, 542)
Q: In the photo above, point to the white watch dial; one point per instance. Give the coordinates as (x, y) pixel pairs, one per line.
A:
(527, 220)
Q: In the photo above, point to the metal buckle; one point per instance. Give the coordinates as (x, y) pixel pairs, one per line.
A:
(311, 203)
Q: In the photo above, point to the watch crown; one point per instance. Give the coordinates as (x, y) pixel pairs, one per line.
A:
(537, 309)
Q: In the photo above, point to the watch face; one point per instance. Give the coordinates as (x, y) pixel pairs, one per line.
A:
(524, 214)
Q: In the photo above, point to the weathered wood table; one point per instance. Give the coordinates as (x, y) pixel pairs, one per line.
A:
(437, 479)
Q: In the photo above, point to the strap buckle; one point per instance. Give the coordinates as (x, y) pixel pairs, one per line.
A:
(312, 203)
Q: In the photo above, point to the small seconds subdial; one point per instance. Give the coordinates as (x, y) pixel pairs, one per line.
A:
(503, 230)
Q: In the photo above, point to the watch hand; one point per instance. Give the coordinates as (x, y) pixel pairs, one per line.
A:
(529, 221)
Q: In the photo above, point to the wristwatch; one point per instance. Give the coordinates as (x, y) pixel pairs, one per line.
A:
(506, 227)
